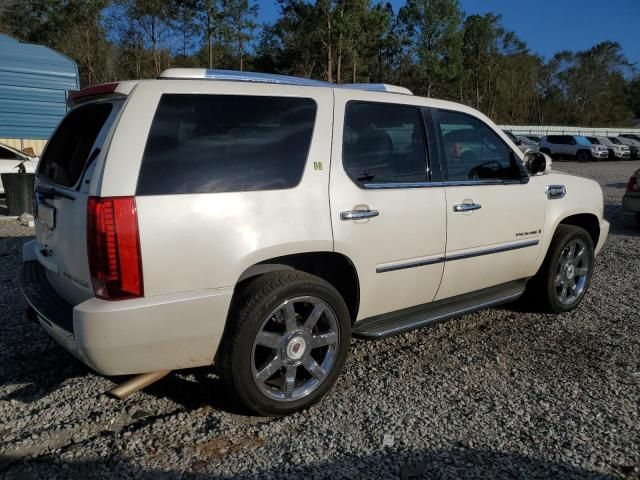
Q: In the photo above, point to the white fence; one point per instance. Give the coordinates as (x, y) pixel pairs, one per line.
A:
(541, 130)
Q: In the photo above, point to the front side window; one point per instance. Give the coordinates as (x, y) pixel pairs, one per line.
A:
(202, 143)
(473, 151)
(383, 143)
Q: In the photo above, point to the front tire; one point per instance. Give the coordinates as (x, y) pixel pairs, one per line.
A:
(565, 275)
(287, 339)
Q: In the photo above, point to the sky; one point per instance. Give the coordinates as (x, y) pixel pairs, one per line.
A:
(548, 26)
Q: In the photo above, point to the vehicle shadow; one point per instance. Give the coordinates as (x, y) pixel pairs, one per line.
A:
(198, 387)
(29, 358)
(454, 463)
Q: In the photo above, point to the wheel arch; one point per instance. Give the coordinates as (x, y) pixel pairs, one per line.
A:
(587, 221)
(335, 268)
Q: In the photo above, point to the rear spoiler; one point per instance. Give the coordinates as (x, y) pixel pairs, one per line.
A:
(79, 96)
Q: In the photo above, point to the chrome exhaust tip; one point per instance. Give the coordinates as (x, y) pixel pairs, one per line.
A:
(136, 383)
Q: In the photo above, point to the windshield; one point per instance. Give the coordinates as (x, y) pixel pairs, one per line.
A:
(593, 140)
(615, 140)
(582, 140)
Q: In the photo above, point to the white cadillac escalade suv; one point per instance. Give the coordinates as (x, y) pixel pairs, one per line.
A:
(257, 222)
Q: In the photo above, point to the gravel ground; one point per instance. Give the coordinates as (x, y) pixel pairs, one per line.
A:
(498, 394)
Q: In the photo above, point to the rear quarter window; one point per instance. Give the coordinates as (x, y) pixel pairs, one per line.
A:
(201, 143)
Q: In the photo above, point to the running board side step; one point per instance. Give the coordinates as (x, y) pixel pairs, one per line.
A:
(394, 323)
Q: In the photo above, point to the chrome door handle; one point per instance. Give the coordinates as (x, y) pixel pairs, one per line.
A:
(466, 207)
(358, 214)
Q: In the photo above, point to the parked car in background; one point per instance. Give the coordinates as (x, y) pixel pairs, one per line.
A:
(534, 138)
(527, 141)
(634, 146)
(524, 144)
(617, 151)
(631, 199)
(299, 234)
(11, 157)
(572, 146)
(632, 136)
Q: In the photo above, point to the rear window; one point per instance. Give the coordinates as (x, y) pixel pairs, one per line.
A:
(226, 143)
(73, 142)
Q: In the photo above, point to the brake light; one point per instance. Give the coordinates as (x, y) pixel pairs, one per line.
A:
(113, 247)
(633, 186)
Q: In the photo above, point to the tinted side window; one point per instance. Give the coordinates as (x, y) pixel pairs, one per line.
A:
(383, 143)
(553, 139)
(226, 143)
(473, 151)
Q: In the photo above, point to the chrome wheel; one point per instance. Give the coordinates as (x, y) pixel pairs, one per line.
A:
(295, 348)
(572, 272)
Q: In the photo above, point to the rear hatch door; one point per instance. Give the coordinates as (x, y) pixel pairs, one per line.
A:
(68, 168)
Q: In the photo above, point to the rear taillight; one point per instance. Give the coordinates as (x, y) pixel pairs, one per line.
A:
(113, 246)
(633, 186)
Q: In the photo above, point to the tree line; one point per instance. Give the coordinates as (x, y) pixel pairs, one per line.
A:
(429, 46)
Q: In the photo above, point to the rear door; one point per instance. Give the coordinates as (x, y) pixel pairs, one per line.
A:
(62, 188)
(387, 213)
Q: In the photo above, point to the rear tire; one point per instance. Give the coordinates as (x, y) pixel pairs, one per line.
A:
(287, 338)
(583, 156)
(565, 274)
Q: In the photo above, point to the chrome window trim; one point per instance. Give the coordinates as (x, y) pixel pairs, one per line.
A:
(451, 183)
(383, 186)
(458, 256)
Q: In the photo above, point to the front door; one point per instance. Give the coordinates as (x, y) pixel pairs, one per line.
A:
(495, 215)
(388, 216)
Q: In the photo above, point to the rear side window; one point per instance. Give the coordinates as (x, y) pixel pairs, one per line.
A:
(383, 143)
(71, 145)
(226, 143)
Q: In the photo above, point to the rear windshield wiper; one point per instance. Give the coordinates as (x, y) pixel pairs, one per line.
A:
(51, 192)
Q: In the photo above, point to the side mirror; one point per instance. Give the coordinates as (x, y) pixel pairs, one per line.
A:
(537, 162)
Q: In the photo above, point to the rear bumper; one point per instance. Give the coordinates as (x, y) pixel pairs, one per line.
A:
(166, 332)
(604, 233)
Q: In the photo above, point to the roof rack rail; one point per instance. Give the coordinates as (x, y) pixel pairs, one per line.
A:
(234, 76)
(376, 87)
